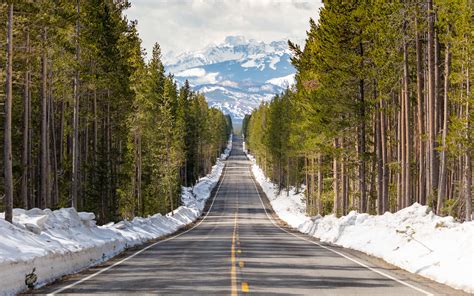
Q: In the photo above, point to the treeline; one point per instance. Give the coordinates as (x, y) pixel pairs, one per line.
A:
(88, 122)
(382, 112)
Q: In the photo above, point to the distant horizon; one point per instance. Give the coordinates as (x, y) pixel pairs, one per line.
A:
(235, 74)
(168, 58)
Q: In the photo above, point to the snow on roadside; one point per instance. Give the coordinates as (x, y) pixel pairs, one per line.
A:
(413, 238)
(64, 241)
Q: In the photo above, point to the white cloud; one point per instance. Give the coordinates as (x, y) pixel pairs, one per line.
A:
(188, 25)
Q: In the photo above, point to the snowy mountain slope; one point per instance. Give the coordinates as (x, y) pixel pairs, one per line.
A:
(237, 74)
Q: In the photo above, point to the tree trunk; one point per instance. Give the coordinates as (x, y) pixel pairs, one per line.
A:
(44, 176)
(385, 168)
(7, 148)
(361, 144)
(108, 159)
(468, 184)
(138, 174)
(399, 160)
(408, 146)
(380, 176)
(421, 118)
(75, 138)
(287, 176)
(306, 175)
(61, 134)
(31, 170)
(320, 184)
(55, 195)
(336, 206)
(442, 174)
(403, 140)
(169, 172)
(468, 156)
(432, 180)
(344, 193)
(26, 125)
(84, 156)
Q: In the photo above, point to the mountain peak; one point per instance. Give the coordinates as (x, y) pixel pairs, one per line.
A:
(238, 74)
(234, 48)
(235, 40)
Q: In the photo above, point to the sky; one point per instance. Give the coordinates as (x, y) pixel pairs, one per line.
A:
(189, 25)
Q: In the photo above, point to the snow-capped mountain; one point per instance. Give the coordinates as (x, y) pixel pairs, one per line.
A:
(236, 75)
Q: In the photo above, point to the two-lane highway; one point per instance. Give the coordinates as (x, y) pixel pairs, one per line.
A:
(237, 248)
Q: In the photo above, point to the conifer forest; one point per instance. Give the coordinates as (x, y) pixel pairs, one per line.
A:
(222, 147)
(381, 115)
(88, 121)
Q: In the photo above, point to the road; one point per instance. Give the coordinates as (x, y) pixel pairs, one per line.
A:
(238, 247)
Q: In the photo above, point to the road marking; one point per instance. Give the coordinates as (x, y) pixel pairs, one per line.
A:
(146, 248)
(241, 264)
(334, 251)
(245, 287)
(233, 269)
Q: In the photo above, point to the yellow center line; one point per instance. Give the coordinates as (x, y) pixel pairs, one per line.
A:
(233, 271)
(245, 287)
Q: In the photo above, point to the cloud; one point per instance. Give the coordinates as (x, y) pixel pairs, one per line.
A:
(188, 25)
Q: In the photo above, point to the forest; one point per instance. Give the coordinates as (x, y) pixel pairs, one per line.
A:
(381, 115)
(89, 121)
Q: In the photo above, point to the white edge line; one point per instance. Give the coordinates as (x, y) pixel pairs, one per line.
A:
(146, 248)
(337, 252)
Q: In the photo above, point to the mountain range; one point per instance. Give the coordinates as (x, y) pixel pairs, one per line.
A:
(237, 74)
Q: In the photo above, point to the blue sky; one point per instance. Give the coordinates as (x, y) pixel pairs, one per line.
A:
(188, 25)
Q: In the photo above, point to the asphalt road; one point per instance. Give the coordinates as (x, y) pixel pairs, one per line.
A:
(239, 247)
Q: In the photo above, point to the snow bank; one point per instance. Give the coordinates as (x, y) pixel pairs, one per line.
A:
(64, 241)
(413, 238)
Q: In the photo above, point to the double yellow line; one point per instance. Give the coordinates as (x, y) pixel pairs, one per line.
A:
(236, 249)
(233, 269)
(234, 257)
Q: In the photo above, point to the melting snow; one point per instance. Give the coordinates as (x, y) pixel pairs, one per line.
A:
(64, 241)
(413, 238)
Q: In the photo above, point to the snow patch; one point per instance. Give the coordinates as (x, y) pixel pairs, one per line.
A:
(283, 82)
(413, 238)
(64, 241)
(209, 78)
(193, 72)
(273, 62)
